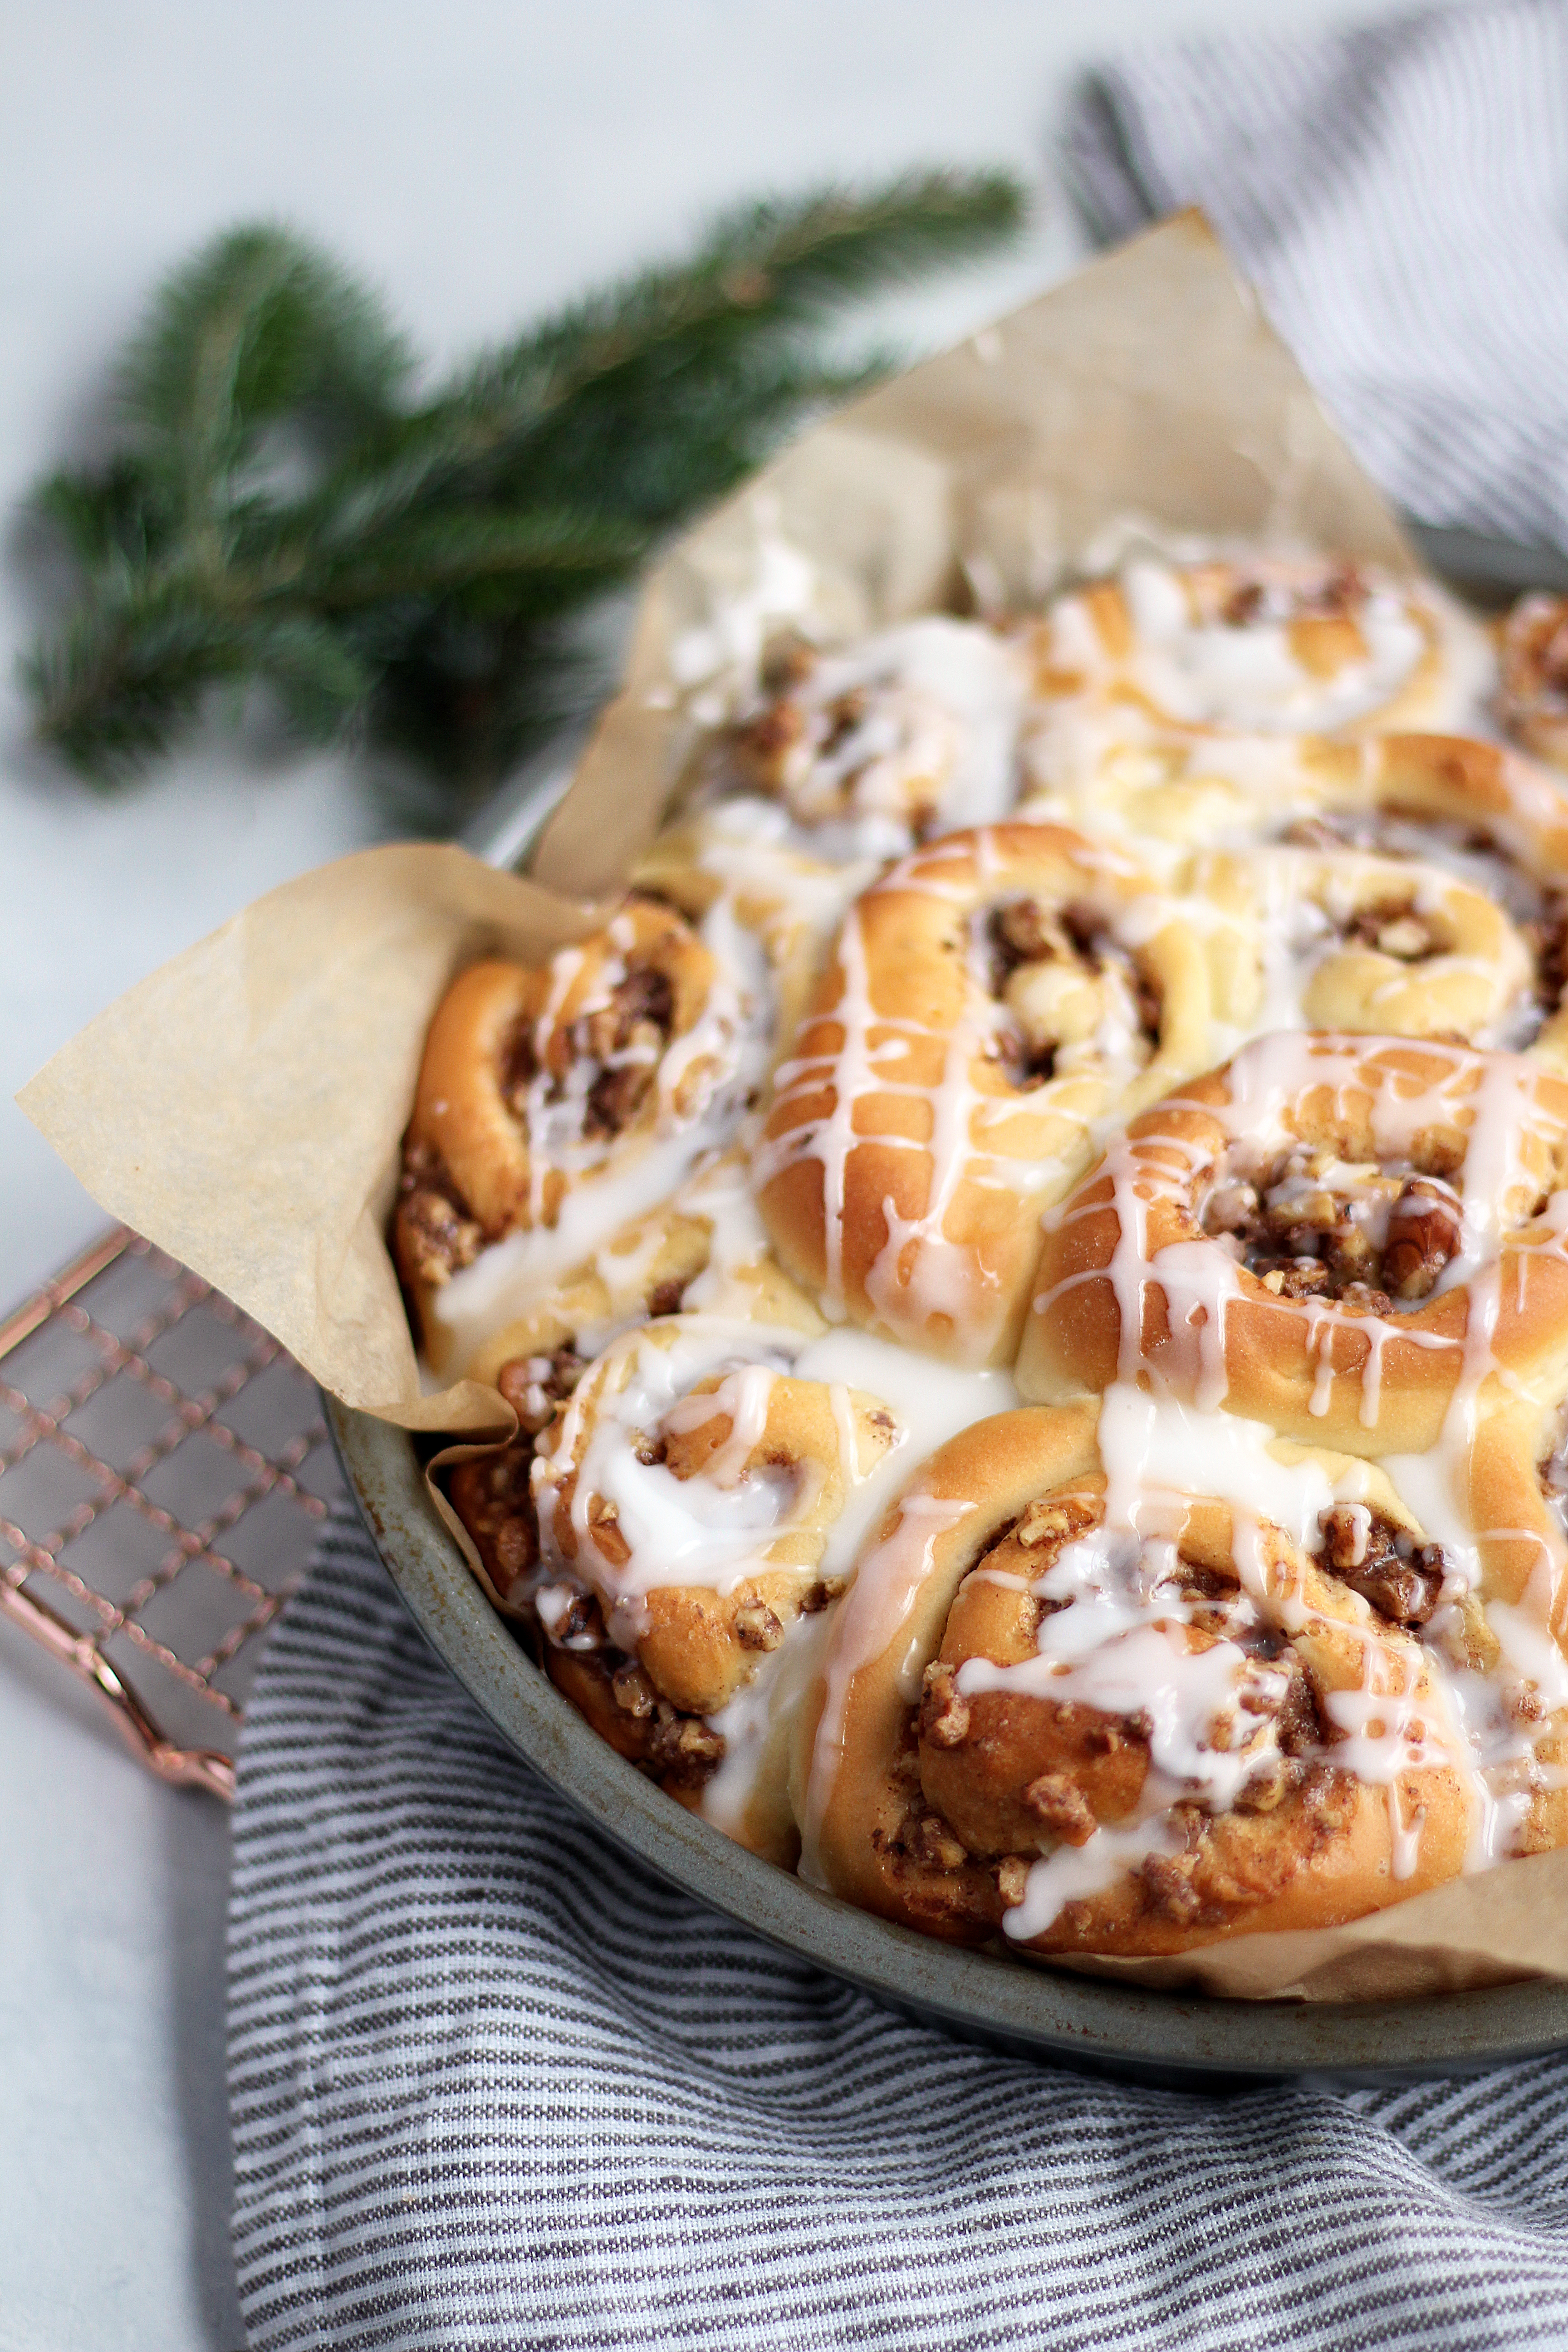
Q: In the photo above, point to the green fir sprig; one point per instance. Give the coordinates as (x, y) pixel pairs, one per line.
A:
(283, 507)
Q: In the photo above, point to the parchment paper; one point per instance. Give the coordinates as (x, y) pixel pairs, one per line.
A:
(243, 1108)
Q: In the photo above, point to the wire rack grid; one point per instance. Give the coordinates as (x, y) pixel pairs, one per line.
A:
(164, 1469)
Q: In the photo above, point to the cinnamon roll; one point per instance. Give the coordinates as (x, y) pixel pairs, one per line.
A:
(987, 1001)
(685, 1497)
(1532, 689)
(705, 1249)
(1339, 939)
(555, 1103)
(1121, 1726)
(736, 863)
(1266, 646)
(1347, 1238)
(871, 750)
(1461, 818)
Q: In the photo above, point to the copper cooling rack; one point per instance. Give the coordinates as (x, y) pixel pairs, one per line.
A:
(163, 1467)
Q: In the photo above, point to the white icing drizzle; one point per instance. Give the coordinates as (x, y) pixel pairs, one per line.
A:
(1119, 1645)
(920, 1272)
(1496, 1093)
(711, 1530)
(869, 1617)
(705, 1077)
(1205, 663)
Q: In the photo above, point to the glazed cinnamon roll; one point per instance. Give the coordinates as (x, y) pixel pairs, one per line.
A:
(1336, 938)
(987, 1001)
(1467, 821)
(555, 1103)
(1266, 646)
(1532, 689)
(870, 750)
(1116, 1723)
(706, 1250)
(735, 865)
(685, 1499)
(1347, 1238)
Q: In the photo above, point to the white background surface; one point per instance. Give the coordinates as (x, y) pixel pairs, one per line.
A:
(479, 162)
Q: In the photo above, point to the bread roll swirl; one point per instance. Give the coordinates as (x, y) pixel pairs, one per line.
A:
(1533, 690)
(987, 1001)
(554, 1102)
(1346, 1238)
(1266, 646)
(1124, 1734)
(874, 748)
(1382, 946)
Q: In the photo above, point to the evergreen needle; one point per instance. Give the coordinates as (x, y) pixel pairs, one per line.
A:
(280, 508)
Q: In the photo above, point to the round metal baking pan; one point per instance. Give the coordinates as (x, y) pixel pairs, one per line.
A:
(1175, 2040)
(1169, 2039)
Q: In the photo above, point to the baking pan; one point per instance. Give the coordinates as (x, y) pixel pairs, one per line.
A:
(1172, 2040)
(1168, 2038)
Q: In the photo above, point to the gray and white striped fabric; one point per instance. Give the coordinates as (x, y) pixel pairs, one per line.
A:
(1399, 195)
(495, 2086)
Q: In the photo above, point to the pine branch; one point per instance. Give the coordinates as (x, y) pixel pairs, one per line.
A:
(418, 585)
(257, 328)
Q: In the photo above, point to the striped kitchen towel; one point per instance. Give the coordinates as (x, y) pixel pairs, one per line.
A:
(496, 2087)
(1399, 196)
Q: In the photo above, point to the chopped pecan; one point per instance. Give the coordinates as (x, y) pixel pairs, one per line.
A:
(434, 1237)
(633, 1692)
(933, 1842)
(1059, 1805)
(944, 1711)
(1424, 1227)
(757, 1626)
(1266, 1789)
(534, 1385)
(686, 1750)
(1294, 1277)
(1168, 1888)
(1013, 1879)
(1400, 1578)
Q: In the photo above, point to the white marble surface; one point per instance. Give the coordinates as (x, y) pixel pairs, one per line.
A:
(480, 161)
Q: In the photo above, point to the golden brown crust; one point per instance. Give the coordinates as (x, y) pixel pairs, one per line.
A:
(700, 1642)
(1393, 948)
(538, 1079)
(940, 1091)
(1326, 615)
(1345, 1369)
(1533, 694)
(935, 1813)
